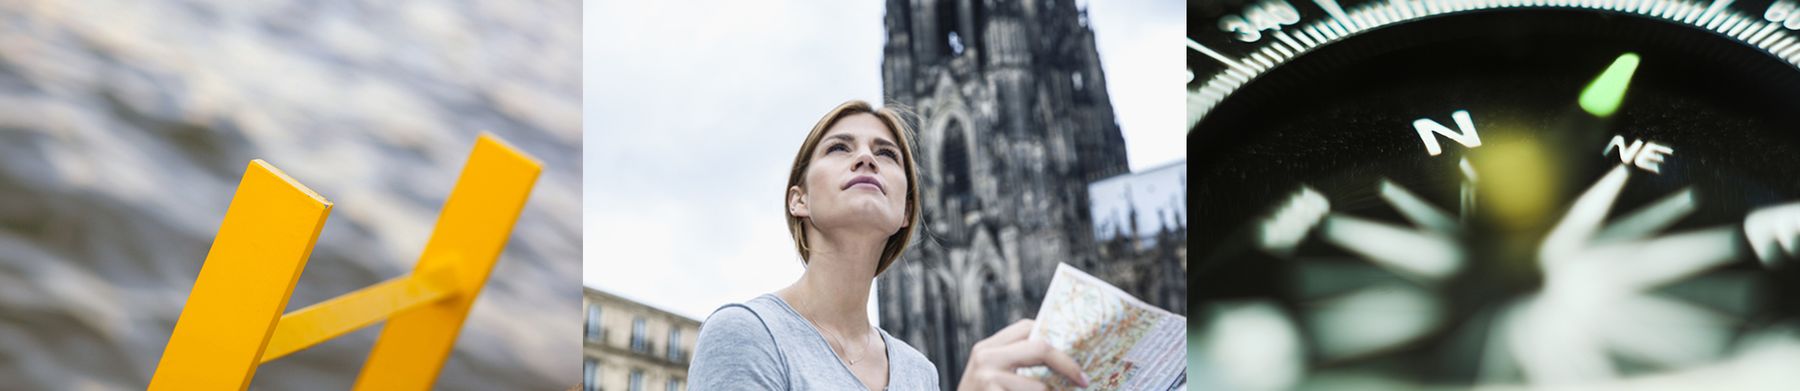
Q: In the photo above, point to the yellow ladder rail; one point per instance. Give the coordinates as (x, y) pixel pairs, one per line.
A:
(244, 284)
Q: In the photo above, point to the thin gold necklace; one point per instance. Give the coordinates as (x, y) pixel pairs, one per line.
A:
(840, 341)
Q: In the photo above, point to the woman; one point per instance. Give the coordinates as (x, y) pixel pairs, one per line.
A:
(851, 205)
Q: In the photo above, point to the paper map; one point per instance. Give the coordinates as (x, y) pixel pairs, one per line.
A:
(1121, 342)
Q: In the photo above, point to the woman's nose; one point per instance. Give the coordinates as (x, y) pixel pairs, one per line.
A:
(864, 157)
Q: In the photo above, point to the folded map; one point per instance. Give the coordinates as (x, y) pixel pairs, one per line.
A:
(1120, 342)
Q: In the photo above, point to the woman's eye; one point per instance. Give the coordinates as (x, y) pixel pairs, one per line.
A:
(889, 153)
(836, 148)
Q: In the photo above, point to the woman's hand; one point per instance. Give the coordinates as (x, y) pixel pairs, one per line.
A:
(994, 362)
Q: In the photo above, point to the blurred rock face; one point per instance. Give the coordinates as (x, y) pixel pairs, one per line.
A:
(125, 126)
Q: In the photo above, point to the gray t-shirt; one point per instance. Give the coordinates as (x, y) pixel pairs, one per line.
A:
(763, 344)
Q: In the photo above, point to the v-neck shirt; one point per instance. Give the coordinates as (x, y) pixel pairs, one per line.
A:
(764, 344)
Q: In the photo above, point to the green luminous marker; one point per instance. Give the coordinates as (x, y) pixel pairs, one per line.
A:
(1602, 96)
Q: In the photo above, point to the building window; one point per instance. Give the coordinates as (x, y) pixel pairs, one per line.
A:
(949, 28)
(590, 375)
(674, 385)
(958, 183)
(640, 342)
(593, 323)
(637, 380)
(675, 353)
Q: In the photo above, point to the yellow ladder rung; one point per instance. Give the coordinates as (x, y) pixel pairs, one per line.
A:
(340, 315)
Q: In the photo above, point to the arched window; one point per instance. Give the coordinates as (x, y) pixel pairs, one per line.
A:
(949, 24)
(955, 162)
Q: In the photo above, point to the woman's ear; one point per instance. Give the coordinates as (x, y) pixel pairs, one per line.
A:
(797, 203)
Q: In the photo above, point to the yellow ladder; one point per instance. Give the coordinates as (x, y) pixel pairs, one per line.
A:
(233, 319)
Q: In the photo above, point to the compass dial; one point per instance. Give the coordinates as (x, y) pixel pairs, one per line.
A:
(1587, 193)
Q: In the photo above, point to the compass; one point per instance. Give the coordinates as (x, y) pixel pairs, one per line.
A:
(1512, 193)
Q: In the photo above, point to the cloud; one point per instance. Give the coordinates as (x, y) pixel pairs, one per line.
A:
(694, 113)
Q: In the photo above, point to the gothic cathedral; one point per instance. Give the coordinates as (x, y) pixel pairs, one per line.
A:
(1014, 123)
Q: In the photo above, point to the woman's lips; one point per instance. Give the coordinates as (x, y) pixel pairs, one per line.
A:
(865, 180)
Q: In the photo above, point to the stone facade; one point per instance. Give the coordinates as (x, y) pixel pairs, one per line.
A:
(1014, 123)
(629, 346)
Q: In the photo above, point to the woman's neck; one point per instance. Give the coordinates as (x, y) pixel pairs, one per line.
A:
(834, 290)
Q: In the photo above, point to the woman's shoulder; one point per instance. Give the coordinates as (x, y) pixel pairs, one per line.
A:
(737, 349)
(750, 318)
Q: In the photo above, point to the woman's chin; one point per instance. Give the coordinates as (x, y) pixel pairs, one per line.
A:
(871, 218)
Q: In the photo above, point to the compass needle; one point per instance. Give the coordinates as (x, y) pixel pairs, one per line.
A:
(1603, 95)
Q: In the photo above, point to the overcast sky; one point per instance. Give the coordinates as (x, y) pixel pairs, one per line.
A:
(693, 111)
